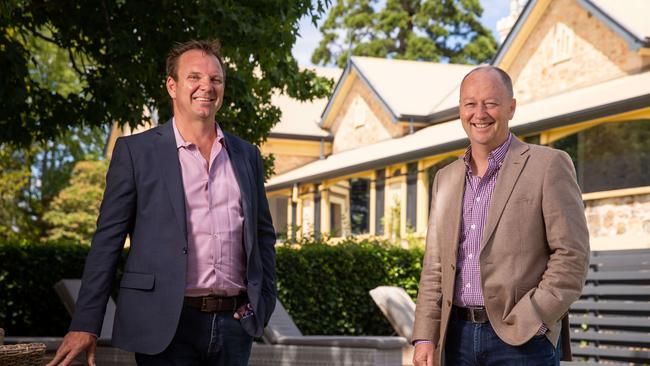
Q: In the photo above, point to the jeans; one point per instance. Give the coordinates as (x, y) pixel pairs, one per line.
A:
(470, 344)
(204, 339)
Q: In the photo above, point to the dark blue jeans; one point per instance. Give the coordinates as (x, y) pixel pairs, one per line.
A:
(470, 344)
(204, 339)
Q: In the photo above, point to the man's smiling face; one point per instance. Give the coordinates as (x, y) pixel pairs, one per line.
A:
(485, 109)
(197, 92)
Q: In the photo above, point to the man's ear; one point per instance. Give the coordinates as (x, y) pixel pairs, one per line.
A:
(513, 107)
(171, 87)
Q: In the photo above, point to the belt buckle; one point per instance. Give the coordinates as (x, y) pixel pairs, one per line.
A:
(209, 304)
(472, 315)
(475, 317)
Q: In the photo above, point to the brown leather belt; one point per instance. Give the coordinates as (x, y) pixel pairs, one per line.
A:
(215, 304)
(474, 315)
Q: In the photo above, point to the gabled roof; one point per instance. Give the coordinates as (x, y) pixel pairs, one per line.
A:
(300, 119)
(407, 89)
(631, 16)
(628, 18)
(625, 94)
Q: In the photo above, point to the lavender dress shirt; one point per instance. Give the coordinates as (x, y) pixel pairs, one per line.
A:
(476, 202)
(216, 262)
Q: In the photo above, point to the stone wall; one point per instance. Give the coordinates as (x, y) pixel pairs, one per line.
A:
(598, 54)
(361, 104)
(619, 223)
(284, 163)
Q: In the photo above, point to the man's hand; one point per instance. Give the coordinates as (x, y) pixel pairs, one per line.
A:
(243, 312)
(73, 344)
(423, 355)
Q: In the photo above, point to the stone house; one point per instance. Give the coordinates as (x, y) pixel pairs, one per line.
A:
(361, 162)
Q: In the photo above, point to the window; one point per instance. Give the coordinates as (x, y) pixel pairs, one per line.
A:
(433, 170)
(359, 112)
(278, 206)
(359, 205)
(562, 43)
(532, 139)
(335, 220)
(610, 156)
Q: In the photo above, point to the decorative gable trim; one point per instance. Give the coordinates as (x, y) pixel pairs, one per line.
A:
(344, 84)
(531, 15)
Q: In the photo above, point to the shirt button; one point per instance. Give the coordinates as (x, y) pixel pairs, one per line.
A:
(215, 235)
(478, 199)
(470, 256)
(468, 285)
(473, 226)
(185, 250)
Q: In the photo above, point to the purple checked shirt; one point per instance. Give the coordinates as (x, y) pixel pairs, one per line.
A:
(476, 202)
(216, 262)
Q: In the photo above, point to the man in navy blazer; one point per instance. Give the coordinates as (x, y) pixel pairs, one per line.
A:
(199, 281)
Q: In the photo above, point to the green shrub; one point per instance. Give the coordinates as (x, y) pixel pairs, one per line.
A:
(28, 304)
(324, 287)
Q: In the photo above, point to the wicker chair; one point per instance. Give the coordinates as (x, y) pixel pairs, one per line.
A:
(2, 336)
(24, 354)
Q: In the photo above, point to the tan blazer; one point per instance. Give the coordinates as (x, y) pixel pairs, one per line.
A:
(534, 252)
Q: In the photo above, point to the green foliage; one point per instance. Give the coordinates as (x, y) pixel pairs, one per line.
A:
(30, 178)
(115, 62)
(324, 287)
(73, 213)
(427, 30)
(14, 181)
(28, 305)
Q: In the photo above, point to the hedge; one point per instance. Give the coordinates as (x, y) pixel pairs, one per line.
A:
(324, 287)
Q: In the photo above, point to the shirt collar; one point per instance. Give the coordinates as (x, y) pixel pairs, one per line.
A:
(496, 156)
(180, 141)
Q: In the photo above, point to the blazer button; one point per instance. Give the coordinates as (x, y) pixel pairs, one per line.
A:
(453, 267)
(184, 250)
(448, 302)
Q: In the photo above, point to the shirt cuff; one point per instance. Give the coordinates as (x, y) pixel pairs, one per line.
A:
(421, 341)
(542, 330)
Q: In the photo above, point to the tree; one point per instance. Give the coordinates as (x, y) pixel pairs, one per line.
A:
(117, 49)
(427, 30)
(73, 213)
(31, 177)
(14, 182)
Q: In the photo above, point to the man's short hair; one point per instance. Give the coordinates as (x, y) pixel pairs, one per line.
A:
(209, 47)
(505, 78)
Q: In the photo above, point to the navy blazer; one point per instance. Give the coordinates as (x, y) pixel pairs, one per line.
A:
(144, 199)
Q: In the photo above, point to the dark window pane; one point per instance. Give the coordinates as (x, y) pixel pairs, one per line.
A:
(610, 156)
(359, 205)
(335, 220)
(532, 139)
(433, 170)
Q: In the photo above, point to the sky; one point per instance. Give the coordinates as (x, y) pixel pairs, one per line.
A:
(493, 10)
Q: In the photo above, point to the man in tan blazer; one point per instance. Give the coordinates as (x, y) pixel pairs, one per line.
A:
(507, 243)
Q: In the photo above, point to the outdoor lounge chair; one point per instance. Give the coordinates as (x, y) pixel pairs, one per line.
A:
(68, 291)
(397, 306)
(286, 345)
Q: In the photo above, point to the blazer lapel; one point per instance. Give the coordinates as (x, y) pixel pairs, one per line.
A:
(509, 173)
(242, 168)
(171, 172)
(456, 192)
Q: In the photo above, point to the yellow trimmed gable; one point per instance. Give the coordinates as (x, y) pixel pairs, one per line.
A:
(562, 46)
(357, 117)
